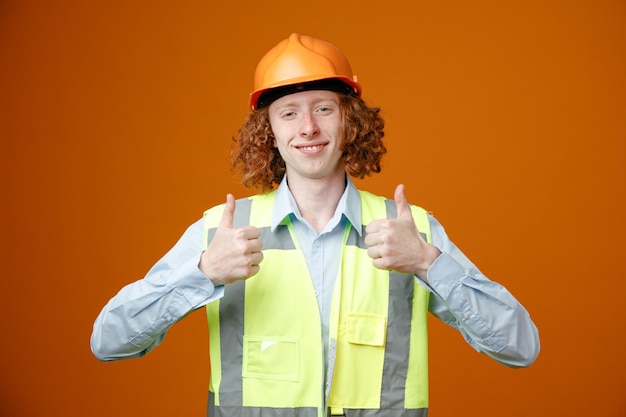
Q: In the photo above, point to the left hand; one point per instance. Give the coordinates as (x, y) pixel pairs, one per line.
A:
(396, 244)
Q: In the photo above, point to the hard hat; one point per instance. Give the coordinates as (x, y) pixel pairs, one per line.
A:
(301, 63)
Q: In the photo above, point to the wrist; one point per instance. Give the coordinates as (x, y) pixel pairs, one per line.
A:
(430, 256)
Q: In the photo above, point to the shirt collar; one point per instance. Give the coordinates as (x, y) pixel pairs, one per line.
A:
(349, 205)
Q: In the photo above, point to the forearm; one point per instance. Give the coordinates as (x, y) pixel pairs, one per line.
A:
(486, 313)
(136, 320)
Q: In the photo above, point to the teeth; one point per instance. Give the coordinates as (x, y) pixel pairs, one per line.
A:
(311, 148)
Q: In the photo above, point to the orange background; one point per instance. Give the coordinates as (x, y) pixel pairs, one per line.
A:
(506, 119)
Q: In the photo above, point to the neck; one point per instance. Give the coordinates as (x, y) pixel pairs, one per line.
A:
(317, 200)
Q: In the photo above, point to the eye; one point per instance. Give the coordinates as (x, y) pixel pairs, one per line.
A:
(324, 109)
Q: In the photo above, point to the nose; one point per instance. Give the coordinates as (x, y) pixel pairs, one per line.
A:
(308, 127)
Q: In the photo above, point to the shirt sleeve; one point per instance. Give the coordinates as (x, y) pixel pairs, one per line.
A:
(488, 316)
(137, 318)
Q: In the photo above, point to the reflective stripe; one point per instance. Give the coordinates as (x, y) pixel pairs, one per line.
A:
(396, 363)
(242, 213)
(392, 210)
(415, 412)
(226, 411)
(223, 411)
(231, 389)
(280, 239)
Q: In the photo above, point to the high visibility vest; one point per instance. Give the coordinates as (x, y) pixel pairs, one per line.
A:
(265, 333)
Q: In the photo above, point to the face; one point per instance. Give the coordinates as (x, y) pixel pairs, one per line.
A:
(308, 131)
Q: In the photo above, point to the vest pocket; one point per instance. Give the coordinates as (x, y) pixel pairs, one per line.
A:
(366, 329)
(271, 358)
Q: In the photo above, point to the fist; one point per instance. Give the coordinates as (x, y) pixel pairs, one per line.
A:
(396, 244)
(234, 253)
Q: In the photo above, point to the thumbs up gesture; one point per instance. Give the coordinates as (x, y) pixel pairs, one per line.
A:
(234, 253)
(396, 244)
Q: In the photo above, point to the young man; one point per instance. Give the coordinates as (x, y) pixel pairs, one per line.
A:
(316, 293)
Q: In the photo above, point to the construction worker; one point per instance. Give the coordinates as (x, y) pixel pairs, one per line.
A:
(316, 293)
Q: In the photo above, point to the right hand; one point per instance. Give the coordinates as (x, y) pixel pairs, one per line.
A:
(233, 254)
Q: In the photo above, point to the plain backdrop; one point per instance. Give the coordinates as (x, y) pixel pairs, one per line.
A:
(506, 119)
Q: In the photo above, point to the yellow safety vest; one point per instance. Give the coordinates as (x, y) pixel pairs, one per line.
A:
(265, 333)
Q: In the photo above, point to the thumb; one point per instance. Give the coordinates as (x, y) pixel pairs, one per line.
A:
(229, 212)
(403, 209)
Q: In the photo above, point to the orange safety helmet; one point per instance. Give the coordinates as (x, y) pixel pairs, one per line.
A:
(301, 63)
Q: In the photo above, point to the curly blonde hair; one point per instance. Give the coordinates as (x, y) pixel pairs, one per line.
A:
(253, 153)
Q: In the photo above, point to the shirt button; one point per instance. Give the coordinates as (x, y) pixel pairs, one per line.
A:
(317, 243)
(168, 318)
